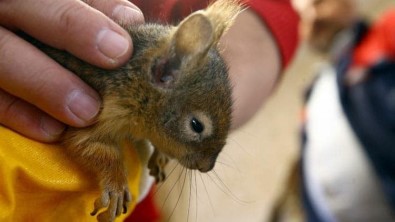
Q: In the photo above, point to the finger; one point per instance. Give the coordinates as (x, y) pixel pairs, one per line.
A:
(28, 120)
(27, 73)
(121, 11)
(73, 26)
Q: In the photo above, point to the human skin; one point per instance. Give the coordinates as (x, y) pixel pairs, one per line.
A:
(254, 61)
(322, 20)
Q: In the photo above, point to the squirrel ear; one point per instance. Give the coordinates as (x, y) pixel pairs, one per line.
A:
(191, 40)
(199, 31)
(193, 36)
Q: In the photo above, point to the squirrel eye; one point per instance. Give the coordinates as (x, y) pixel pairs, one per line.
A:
(196, 125)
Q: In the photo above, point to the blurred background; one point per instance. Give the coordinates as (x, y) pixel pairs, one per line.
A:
(252, 169)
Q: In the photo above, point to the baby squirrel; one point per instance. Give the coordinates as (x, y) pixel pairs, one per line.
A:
(174, 92)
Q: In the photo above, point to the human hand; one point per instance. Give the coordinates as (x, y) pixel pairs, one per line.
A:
(322, 20)
(38, 96)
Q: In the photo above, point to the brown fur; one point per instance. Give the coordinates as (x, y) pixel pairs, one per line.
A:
(175, 76)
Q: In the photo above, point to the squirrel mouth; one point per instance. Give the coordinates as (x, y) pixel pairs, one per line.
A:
(197, 162)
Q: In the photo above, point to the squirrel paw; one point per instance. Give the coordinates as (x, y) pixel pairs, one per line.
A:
(156, 166)
(115, 200)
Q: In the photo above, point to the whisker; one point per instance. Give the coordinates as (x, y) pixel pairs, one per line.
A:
(233, 162)
(190, 193)
(179, 196)
(224, 190)
(167, 176)
(208, 196)
(216, 183)
(228, 165)
(252, 136)
(229, 191)
(233, 140)
(239, 146)
(196, 197)
(172, 188)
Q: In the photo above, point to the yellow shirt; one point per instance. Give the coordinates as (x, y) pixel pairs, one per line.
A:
(38, 182)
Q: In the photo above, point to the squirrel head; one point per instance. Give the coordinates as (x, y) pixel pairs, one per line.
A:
(191, 81)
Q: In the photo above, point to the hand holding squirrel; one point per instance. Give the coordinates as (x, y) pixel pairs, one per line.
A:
(37, 96)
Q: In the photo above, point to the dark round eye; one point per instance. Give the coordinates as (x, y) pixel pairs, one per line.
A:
(196, 125)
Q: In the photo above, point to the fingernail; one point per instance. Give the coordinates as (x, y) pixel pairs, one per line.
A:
(112, 44)
(127, 15)
(51, 127)
(83, 106)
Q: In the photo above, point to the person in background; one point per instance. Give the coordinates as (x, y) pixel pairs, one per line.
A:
(39, 98)
(346, 168)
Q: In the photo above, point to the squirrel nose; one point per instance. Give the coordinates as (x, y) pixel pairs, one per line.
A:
(206, 169)
(206, 166)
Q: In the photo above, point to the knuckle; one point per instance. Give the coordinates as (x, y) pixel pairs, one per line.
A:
(42, 82)
(5, 40)
(7, 106)
(100, 5)
(69, 15)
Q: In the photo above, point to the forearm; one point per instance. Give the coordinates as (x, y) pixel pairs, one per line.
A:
(255, 64)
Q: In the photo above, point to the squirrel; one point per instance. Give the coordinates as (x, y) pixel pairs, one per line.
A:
(174, 93)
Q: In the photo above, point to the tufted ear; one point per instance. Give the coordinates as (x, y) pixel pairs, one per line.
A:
(193, 36)
(199, 31)
(204, 28)
(191, 40)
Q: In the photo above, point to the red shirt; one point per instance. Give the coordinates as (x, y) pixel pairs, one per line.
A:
(278, 15)
(378, 44)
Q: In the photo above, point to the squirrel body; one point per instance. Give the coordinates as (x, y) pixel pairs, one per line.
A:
(174, 92)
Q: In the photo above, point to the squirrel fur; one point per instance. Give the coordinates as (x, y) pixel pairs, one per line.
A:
(174, 93)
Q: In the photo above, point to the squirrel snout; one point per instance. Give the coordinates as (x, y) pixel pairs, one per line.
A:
(199, 162)
(206, 167)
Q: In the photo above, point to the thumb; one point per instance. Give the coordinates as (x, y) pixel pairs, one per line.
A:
(73, 26)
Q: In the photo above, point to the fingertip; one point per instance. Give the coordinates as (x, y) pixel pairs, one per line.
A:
(123, 15)
(113, 41)
(116, 47)
(83, 107)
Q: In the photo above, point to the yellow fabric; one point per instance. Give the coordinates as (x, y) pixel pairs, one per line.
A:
(38, 182)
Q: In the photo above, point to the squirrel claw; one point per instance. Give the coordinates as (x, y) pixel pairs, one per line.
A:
(116, 202)
(101, 202)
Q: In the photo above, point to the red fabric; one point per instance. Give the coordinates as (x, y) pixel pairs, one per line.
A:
(378, 44)
(168, 11)
(282, 20)
(145, 211)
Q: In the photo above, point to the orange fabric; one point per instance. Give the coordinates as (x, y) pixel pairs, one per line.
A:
(379, 43)
(38, 182)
